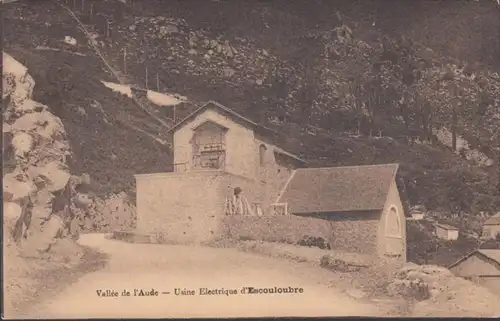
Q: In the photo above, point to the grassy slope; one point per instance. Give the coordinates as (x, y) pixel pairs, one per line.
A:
(70, 83)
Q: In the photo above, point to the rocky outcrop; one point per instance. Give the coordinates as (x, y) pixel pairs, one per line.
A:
(38, 175)
(115, 212)
(437, 292)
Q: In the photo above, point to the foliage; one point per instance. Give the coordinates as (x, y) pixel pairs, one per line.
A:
(425, 248)
(313, 241)
(338, 96)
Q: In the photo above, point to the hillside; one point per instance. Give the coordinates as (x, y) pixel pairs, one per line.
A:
(340, 92)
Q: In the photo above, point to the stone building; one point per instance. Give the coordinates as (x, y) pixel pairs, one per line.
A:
(216, 151)
(229, 166)
(361, 205)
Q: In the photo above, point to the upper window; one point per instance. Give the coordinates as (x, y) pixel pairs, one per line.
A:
(393, 225)
(208, 146)
(262, 154)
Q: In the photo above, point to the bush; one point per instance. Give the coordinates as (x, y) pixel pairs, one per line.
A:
(312, 241)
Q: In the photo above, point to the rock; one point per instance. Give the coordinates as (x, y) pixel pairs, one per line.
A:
(29, 106)
(228, 72)
(43, 123)
(8, 84)
(70, 40)
(132, 28)
(213, 44)
(265, 53)
(409, 289)
(23, 144)
(82, 201)
(192, 52)
(18, 189)
(55, 174)
(259, 82)
(52, 229)
(7, 197)
(11, 210)
(42, 205)
(169, 29)
(18, 74)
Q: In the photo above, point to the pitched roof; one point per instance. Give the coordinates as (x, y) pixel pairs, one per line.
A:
(284, 152)
(447, 226)
(493, 220)
(493, 255)
(339, 189)
(237, 117)
(225, 110)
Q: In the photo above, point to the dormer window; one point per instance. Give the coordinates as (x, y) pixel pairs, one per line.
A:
(262, 154)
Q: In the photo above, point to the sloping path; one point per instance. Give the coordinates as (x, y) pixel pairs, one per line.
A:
(166, 267)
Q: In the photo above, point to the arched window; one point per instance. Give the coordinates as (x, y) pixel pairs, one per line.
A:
(393, 224)
(262, 154)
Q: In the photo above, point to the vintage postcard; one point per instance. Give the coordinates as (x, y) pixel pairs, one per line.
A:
(232, 158)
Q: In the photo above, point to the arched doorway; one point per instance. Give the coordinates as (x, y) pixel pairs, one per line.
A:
(394, 243)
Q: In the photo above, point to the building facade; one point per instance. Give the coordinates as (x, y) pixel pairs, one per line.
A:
(228, 166)
(481, 267)
(446, 232)
(491, 228)
(216, 153)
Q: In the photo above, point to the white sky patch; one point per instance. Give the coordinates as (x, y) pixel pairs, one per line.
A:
(123, 89)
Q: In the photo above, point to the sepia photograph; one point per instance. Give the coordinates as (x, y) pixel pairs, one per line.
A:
(236, 158)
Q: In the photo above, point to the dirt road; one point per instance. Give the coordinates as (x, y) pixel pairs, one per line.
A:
(164, 268)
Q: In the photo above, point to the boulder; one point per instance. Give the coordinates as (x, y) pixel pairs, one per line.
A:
(44, 124)
(55, 175)
(20, 86)
(52, 229)
(23, 144)
(11, 211)
(29, 106)
(17, 188)
(82, 201)
(8, 84)
(42, 206)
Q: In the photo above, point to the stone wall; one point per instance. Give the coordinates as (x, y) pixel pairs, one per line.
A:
(350, 235)
(183, 207)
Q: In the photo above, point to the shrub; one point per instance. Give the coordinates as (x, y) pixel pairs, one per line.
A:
(313, 241)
